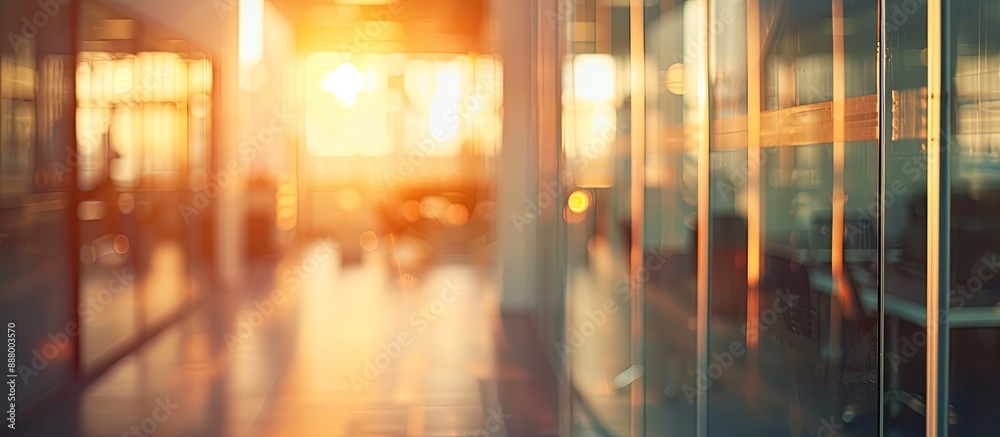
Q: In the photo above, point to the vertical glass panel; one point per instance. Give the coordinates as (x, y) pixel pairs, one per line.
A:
(674, 111)
(143, 114)
(724, 378)
(35, 251)
(972, 54)
(551, 300)
(904, 139)
(794, 322)
(596, 211)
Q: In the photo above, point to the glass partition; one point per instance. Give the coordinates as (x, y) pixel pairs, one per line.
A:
(820, 184)
(971, 138)
(37, 257)
(675, 80)
(143, 129)
(792, 342)
(595, 210)
(905, 177)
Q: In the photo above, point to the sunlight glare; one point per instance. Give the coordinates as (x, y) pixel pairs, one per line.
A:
(345, 83)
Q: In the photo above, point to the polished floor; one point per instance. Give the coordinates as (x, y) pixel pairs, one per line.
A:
(364, 350)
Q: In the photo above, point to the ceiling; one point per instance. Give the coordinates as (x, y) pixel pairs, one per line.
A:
(415, 26)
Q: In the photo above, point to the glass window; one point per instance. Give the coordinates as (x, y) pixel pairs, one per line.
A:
(36, 258)
(595, 156)
(971, 59)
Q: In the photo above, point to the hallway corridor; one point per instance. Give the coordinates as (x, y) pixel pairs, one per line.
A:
(503, 218)
(325, 351)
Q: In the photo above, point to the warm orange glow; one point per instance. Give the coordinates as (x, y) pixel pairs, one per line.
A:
(126, 203)
(594, 77)
(675, 79)
(200, 76)
(347, 105)
(286, 203)
(121, 244)
(411, 210)
(589, 118)
(576, 207)
(571, 217)
(133, 113)
(443, 120)
(251, 32)
(755, 224)
(349, 200)
(345, 83)
(375, 105)
(579, 201)
(167, 274)
(458, 214)
(368, 241)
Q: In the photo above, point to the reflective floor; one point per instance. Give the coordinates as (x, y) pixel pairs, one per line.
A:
(328, 350)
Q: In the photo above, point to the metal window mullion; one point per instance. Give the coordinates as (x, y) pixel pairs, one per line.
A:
(704, 234)
(937, 225)
(755, 212)
(885, 127)
(637, 58)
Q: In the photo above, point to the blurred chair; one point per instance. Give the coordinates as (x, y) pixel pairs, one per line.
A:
(728, 258)
(793, 344)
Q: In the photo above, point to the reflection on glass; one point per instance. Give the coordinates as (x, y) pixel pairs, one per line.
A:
(905, 241)
(589, 118)
(133, 113)
(791, 346)
(35, 274)
(594, 156)
(143, 116)
(673, 120)
(973, 57)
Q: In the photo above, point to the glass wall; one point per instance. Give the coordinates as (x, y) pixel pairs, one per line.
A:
(971, 139)
(143, 111)
(675, 104)
(594, 186)
(792, 147)
(37, 259)
(905, 179)
(817, 254)
(105, 133)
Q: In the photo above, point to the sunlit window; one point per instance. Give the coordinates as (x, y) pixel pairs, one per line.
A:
(374, 105)
(589, 117)
(137, 114)
(347, 105)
